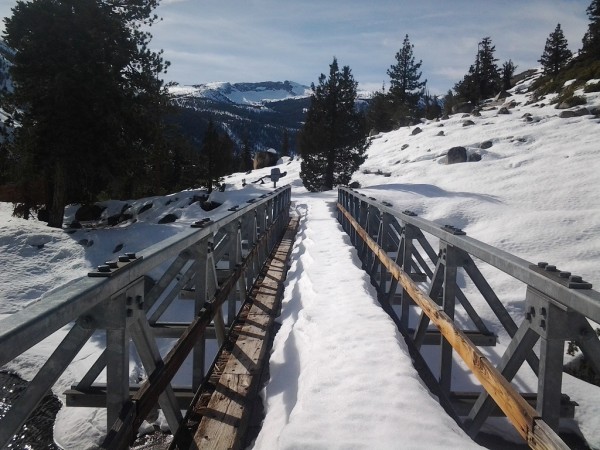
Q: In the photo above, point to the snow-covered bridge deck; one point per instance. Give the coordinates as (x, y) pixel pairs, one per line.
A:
(341, 374)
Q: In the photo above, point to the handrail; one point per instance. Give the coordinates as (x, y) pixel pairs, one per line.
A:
(584, 301)
(31, 325)
(113, 299)
(517, 410)
(394, 248)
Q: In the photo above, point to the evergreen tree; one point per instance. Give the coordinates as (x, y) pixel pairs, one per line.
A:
(379, 113)
(483, 79)
(285, 143)
(591, 39)
(333, 140)
(217, 155)
(556, 52)
(406, 87)
(87, 97)
(431, 106)
(246, 160)
(508, 70)
(488, 72)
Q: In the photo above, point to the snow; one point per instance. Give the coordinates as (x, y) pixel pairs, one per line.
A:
(337, 351)
(341, 376)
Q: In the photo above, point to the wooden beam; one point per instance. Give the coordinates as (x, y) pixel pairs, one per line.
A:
(224, 418)
(520, 413)
(464, 401)
(95, 396)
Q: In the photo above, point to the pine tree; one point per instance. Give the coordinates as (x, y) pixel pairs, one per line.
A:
(246, 156)
(508, 70)
(591, 39)
(217, 154)
(406, 89)
(556, 52)
(483, 79)
(285, 143)
(379, 112)
(333, 140)
(488, 72)
(87, 97)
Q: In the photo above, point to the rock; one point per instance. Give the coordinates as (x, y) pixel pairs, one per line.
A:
(464, 116)
(416, 131)
(503, 110)
(405, 146)
(354, 185)
(113, 220)
(485, 145)
(75, 225)
(118, 248)
(445, 117)
(169, 218)
(476, 113)
(468, 123)
(441, 133)
(574, 113)
(456, 155)
(265, 159)
(89, 212)
(209, 205)
(474, 157)
(502, 94)
(462, 108)
(43, 215)
(145, 208)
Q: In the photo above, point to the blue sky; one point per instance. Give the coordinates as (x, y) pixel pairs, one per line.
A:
(259, 40)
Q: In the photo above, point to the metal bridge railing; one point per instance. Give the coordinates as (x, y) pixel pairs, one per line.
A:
(214, 264)
(410, 276)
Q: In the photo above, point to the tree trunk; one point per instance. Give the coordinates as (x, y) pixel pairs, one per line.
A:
(56, 211)
(328, 181)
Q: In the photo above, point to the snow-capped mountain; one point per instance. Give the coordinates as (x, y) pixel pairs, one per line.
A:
(260, 113)
(249, 94)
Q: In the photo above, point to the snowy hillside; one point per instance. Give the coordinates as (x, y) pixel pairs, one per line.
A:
(534, 193)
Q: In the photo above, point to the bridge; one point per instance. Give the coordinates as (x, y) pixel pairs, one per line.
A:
(232, 273)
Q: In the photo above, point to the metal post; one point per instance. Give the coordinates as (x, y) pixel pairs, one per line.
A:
(449, 259)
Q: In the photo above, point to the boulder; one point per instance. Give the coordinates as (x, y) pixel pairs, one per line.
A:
(416, 131)
(89, 212)
(485, 145)
(574, 113)
(468, 123)
(462, 108)
(441, 133)
(169, 218)
(265, 159)
(144, 208)
(503, 110)
(456, 155)
(502, 94)
(405, 146)
(474, 157)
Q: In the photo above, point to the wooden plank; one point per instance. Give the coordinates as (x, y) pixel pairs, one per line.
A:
(464, 401)
(225, 418)
(517, 410)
